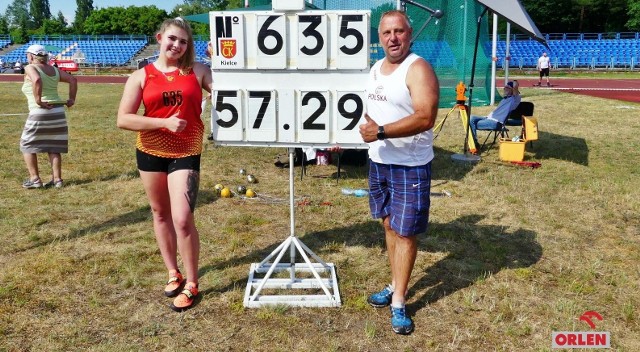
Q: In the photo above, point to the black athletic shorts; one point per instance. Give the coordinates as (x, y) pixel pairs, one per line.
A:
(151, 163)
(544, 72)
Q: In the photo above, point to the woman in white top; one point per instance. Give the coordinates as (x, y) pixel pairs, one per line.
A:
(45, 130)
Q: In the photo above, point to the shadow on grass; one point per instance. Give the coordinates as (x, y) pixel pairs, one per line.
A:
(475, 252)
(142, 214)
(555, 146)
(126, 175)
(445, 168)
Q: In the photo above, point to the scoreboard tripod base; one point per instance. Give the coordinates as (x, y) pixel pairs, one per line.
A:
(301, 284)
(315, 282)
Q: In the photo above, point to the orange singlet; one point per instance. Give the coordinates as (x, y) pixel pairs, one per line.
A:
(163, 95)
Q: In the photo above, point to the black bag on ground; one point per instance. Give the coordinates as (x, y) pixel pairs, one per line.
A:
(354, 157)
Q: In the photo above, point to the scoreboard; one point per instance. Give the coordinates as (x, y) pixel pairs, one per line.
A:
(289, 79)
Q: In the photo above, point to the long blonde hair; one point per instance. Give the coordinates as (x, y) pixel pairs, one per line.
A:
(185, 63)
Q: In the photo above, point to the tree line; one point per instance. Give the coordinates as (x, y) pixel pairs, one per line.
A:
(24, 18)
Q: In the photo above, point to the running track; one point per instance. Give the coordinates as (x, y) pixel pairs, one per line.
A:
(620, 89)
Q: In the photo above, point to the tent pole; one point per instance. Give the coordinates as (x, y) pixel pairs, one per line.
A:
(475, 56)
(507, 59)
(467, 156)
(494, 56)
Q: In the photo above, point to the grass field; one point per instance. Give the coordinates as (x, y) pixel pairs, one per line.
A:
(513, 255)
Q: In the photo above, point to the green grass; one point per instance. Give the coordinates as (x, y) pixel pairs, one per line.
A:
(513, 255)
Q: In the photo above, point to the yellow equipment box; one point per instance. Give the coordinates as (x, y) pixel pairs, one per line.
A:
(530, 128)
(510, 150)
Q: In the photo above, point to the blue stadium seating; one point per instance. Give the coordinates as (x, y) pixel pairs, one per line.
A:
(571, 53)
(201, 51)
(438, 53)
(114, 52)
(567, 50)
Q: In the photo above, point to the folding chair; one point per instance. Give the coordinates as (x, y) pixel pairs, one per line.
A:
(525, 108)
(500, 130)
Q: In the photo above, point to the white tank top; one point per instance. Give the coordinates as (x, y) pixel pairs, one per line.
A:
(388, 100)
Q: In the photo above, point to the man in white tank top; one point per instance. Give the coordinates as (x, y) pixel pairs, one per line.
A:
(544, 65)
(402, 105)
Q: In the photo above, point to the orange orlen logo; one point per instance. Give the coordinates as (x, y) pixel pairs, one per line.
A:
(228, 48)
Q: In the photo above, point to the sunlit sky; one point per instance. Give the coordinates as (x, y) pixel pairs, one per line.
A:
(68, 7)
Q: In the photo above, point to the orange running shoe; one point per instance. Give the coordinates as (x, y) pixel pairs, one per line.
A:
(185, 299)
(175, 284)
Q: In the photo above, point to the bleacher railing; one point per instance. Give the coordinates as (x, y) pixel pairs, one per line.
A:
(575, 36)
(38, 37)
(613, 51)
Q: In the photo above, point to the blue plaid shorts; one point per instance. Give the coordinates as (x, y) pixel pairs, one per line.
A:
(402, 193)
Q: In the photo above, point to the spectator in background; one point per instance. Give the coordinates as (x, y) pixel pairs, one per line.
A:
(168, 149)
(17, 68)
(497, 117)
(544, 66)
(46, 128)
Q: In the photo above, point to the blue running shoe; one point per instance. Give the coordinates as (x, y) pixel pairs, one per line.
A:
(400, 322)
(381, 299)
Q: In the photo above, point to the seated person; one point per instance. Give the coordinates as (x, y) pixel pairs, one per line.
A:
(17, 68)
(509, 102)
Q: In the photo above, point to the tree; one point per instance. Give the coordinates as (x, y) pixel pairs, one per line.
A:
(633, 23)
(53, 27)
(39, 11)
(19, 33)
(4, 25)
(583, 5)
(118, 20)
(16, 12)
(187, 10)
(212, 5)
(83, 10)
(56, 25)
(234, 4)
(60, 18)
(579, 16)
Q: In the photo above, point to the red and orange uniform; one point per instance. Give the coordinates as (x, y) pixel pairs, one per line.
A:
(164, 95)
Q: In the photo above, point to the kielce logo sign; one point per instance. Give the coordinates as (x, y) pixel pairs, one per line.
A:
(583, 339)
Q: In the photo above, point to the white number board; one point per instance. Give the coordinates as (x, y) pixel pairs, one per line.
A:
(289, 78)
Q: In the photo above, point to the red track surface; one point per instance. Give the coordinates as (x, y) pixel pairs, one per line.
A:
(620, 89)
(81, 79)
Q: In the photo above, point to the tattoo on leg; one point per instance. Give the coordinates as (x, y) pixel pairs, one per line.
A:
(193, 181)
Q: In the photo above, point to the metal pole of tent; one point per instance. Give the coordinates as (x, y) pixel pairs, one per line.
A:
(466, 156)
(494, 55)
(507, 54)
